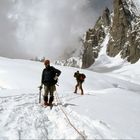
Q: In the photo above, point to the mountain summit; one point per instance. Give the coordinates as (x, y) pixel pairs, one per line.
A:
(123, 28)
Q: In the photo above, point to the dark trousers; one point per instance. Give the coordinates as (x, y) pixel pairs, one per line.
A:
(79, 84)
(47, 90)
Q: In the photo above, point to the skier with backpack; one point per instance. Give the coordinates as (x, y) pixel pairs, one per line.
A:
(49, 79)
(80, 77)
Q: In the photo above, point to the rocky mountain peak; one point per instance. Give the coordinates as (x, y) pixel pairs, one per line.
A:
(123, 28)
(93, 39)
(106, 17)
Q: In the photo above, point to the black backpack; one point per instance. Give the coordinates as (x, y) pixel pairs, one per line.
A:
(49, 75)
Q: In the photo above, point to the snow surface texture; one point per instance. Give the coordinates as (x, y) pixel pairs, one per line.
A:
(109, 108)
(137, 4)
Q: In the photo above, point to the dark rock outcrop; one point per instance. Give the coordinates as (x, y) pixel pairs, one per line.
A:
(123, 35)
(93, 39)
(123, 27)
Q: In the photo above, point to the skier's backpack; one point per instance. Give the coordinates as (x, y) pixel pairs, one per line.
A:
(82, 77)
(49, 76)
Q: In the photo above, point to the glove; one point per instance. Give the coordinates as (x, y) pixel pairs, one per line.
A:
(40, 87)
(56, 77)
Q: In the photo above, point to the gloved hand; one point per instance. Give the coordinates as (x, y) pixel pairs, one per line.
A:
(56, 77)
(40, 87)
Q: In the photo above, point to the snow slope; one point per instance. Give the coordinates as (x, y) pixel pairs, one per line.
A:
(109, 109)
(137, 4)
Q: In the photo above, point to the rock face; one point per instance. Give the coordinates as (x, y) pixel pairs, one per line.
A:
(123, 27)
(93, 39)
(124, 32)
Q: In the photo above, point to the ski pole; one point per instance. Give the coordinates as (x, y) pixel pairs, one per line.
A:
(39, 95)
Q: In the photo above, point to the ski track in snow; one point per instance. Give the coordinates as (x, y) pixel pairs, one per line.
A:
(21, 116)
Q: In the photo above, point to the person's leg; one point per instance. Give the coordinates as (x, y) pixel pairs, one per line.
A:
(52, 90)
(46, 91)
(80, 87)
(76, 87)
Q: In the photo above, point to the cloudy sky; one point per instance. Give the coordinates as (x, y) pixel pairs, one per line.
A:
(49, 28)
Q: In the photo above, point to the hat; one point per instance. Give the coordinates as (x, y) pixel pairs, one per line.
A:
(47, 62)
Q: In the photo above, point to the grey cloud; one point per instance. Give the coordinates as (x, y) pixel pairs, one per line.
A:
(47, 28)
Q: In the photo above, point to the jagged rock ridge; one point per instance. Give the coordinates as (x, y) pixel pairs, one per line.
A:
(93, 39)
(123, 26)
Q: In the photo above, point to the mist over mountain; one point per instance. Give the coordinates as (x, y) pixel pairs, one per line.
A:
(115, 34)
(45, 28)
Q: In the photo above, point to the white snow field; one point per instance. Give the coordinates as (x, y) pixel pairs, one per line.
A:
(109, 108)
